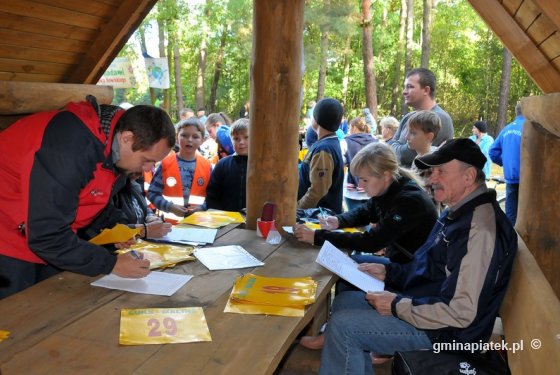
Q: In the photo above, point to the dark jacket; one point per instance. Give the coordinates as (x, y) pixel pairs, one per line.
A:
(227, 189)
(454, 287)
(65, 177)
(325, 148)
(405, 215)
(128, 206)
(355, 143)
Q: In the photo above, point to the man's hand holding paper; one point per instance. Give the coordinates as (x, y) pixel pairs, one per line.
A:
(374, 269)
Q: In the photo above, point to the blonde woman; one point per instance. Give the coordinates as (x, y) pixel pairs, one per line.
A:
(402, 210)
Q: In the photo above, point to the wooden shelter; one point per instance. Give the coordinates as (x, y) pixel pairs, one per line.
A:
(47, 44)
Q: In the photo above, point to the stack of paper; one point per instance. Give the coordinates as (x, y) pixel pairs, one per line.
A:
(188, 236)
(336, 261)
(158, 283)
(252, 294)
(226, 257)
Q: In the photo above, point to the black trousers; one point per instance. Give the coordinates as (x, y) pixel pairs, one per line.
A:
(17, 275)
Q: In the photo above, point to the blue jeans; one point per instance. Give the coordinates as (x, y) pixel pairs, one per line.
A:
(356, 329)
(512, 195)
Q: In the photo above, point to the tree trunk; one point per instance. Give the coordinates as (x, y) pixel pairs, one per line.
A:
(409, 42)
(504, 91)
(218, 69)
(162, 54)
(367, 53)
(144, 49)
(427, 21)
(177, 73)
(200, 72)
(346, 76)
(324, 52)
(275, 106)
(397, 84)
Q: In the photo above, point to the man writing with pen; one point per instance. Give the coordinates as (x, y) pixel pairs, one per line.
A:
(58, 172)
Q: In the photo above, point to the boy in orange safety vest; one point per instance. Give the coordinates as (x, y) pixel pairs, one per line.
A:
(179, 183)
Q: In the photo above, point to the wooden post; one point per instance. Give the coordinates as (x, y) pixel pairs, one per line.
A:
(276, 73)
(538, 214)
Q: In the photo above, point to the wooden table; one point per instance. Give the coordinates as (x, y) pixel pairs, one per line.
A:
(66, 326)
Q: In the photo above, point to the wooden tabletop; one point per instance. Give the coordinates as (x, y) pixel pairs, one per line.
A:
(64, 325)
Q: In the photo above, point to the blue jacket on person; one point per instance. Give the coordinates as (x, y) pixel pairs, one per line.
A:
(454, 286)
(506, 150)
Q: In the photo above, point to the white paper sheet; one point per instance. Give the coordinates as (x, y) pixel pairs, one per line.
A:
(226, 257)
(189, 236)
(336, 261)
(158, 283)
(289, 230)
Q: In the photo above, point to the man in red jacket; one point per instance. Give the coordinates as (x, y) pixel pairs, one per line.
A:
(58, 171)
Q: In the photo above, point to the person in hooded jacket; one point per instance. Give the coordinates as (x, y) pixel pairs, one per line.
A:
(358, 137)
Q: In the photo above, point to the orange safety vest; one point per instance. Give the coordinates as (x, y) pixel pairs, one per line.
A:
(171, 177)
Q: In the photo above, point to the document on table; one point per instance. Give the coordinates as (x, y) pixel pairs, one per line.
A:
(158, 283)
(341, 264)
(226, 257)
(189, 236)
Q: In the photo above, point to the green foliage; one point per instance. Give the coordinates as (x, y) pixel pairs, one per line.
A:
(465, 55)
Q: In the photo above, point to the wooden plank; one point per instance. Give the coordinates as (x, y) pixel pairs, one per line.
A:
(37, 26)
(30, 97)
(526, 14)
(26, 66)
(541, 29)
(512, 5)
(20, 39)
(91, 7)
(551, 46)
(556, 63)
(519, 44)
(24, 315)
(32, 9)
(551, 8)
(27, 77)
(275, 105)
(62, 352)
(530, 310)
(110, 40)
(39, 54)
(543, 110)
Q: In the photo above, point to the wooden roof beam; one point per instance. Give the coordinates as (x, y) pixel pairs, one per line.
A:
(519, 44)
(109, 42)
(551, 9)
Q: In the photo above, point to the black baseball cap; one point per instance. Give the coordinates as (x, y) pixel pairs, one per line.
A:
(462, 149)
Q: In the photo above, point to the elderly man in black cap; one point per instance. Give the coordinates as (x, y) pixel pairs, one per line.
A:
(450, 292)
(321, 173)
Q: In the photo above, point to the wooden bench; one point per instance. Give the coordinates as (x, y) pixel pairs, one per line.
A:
(531, 311)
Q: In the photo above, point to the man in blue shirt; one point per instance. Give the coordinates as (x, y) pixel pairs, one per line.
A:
(506, 152)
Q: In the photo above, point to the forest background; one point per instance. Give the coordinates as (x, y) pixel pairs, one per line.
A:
(354, 50)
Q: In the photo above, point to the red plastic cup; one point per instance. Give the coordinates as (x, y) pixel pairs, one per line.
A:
(263, 227)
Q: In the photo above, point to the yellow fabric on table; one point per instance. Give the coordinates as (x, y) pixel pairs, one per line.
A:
(213, 218)
(161, 255)
(4, 335)
(119, 233)
(163, 326)
(253, 294)
(242, 308)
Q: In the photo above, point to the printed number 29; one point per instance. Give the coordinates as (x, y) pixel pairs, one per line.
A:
(168, 323)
